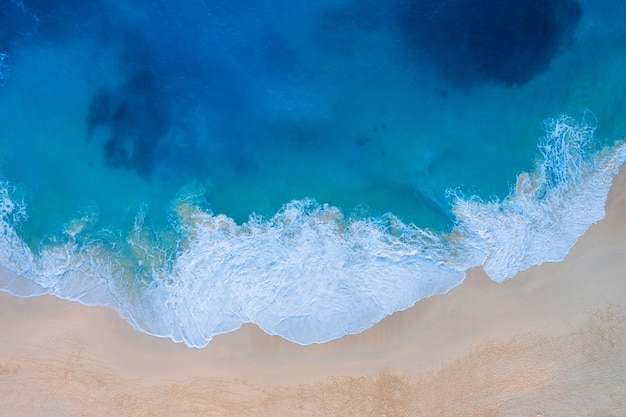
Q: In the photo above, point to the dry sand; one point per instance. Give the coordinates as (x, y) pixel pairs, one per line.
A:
(549, 342)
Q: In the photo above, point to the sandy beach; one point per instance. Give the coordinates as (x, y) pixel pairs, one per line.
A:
(549, 342)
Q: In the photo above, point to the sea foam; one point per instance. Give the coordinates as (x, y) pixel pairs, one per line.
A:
(309, 274)
(548, 210)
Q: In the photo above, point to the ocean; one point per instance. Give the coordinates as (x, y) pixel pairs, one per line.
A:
(310, 167)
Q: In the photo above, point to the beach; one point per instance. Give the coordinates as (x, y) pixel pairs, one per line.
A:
(548, 342)
(340, 208)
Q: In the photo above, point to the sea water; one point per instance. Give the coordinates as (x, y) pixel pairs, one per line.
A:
(311, 168)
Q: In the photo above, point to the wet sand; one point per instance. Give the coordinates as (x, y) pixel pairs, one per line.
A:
(550, 342)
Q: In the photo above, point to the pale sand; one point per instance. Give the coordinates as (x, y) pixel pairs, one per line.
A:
(549, 342)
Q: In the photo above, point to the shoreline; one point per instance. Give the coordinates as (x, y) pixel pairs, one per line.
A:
(548, 341)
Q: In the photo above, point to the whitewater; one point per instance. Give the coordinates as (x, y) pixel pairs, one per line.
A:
(310, 273)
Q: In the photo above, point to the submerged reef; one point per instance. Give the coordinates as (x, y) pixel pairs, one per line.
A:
(135, 121)
(187, 85)
(472, 42)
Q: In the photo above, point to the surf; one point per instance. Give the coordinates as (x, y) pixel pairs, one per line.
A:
(310, 273)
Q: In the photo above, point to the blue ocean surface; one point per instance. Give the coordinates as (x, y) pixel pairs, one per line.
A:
(310, 167)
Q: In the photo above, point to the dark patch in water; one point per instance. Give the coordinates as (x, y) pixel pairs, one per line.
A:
(471, 42)
(136, 122)
(99, 110)
(362, 141)
(191, 63)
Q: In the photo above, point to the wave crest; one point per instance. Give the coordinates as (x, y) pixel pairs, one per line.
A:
(548, 210)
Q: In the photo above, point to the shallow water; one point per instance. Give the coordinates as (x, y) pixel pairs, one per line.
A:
(309, 168)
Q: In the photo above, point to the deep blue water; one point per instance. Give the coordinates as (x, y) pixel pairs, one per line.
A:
(307, 167)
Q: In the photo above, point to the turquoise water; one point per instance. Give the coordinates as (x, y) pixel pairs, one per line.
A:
(308, 168)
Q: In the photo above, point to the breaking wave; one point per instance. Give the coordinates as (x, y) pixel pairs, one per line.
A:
(309, 273)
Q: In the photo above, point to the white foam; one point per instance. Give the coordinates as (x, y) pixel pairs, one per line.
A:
(548, 210)
(63, 269)
(303, 274)
(307, 273)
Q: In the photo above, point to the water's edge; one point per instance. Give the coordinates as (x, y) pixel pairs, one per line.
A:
(308, 273)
